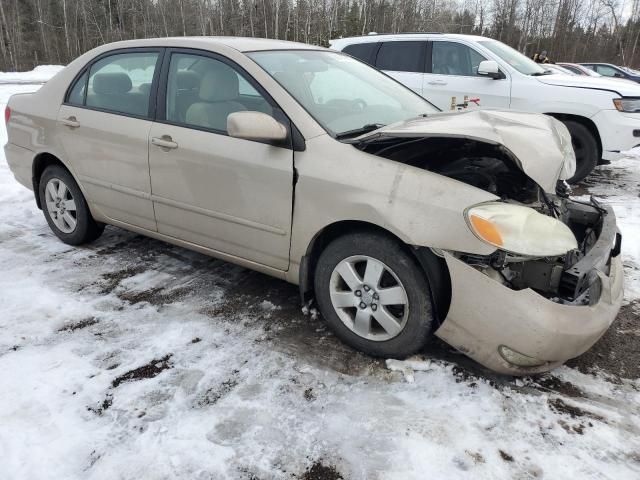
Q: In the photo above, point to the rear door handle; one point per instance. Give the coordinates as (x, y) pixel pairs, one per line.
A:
(70, 122)
(437, 82)
(164, 142)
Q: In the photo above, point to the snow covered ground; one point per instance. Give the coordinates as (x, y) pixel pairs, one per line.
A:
(130, 359)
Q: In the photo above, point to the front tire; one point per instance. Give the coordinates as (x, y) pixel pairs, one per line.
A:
(586, 149)
(374, 296)
(65, 208)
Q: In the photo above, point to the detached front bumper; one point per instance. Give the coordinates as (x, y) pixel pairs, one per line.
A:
(486, 316)
(619, 132)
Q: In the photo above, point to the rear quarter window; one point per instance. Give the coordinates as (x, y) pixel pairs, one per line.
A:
(76, 94)
(363, 51)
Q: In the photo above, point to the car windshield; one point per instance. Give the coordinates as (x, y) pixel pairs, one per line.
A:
(344, 95)
(513, 57)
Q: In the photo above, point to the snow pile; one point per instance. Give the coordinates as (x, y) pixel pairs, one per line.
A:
(40, 74)
(633, 153)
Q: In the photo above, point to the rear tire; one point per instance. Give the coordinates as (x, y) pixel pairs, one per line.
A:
(65, 208)
(374, 296)
(586, 148)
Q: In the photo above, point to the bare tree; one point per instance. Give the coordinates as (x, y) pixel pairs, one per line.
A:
(45, 31)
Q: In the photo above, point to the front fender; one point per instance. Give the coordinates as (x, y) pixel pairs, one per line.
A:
(337, 182)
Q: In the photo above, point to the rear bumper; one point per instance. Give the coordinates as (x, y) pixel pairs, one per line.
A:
(485, 316)
(20, 162)
(617, 132)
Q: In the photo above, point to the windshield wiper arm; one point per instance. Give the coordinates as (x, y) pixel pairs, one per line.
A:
(539, 74)
(369, 127)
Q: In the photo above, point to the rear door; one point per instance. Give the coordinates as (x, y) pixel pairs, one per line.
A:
(227, 194)
(404, 61)
(104, 127)
(453, 74)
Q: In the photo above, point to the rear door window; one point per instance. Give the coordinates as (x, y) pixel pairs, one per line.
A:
(121, 83)
(401, 56)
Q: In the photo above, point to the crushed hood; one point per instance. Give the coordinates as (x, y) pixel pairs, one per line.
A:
(539, 143)
(621, 86)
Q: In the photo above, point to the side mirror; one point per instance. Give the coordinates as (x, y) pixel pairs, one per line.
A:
(617, 75)
(489, 68)
(255, 126)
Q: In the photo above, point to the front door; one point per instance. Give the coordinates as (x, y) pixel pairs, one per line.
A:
(453, 74)
(228, 194)
(104, 128)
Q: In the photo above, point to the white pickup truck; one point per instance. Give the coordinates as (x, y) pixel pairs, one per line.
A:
(603, 116)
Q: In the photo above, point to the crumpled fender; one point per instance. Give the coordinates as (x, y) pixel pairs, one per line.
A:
(539, 144)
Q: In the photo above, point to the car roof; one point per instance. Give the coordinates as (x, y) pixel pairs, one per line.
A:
(241, 44)
(377, 37)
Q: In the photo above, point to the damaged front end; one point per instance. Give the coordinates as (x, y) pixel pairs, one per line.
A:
(553, 284)
(478, 148)
(570, 278)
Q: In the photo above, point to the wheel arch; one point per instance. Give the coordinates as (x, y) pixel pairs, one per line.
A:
(40, 162)
(583, 121)
(434, 267)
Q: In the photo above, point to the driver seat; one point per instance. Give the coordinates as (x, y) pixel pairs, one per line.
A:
(219, 92)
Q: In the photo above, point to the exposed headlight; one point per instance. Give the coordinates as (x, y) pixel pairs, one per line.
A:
(627, 104)
(520, 230)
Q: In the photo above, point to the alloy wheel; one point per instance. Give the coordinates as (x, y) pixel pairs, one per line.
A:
(61, 205)
(369, 298)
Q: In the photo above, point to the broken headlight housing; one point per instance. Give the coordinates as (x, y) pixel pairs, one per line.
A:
(520, 230)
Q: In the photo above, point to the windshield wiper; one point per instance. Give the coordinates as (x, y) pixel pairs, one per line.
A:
(539, 74)
(369, 127)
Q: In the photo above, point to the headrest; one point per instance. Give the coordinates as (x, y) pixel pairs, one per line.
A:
(111, 83)
(219, 85)
(187, 80)
(144, 88)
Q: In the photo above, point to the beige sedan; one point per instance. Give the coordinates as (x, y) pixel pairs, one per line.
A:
(398, 221)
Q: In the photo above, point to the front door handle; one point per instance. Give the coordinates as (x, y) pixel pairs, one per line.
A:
(70, 122)
(164, 141)
(437, 82)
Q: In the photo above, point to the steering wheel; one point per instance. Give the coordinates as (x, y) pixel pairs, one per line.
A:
(358, 105)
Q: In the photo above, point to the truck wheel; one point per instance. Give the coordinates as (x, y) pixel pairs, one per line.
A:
(586, 148)
(65, 208)
(374, 296)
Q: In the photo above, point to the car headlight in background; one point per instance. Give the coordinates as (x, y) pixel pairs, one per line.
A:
(520, 230)
(628, 104)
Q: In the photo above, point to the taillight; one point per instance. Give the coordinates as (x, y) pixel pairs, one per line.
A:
(7, 114)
